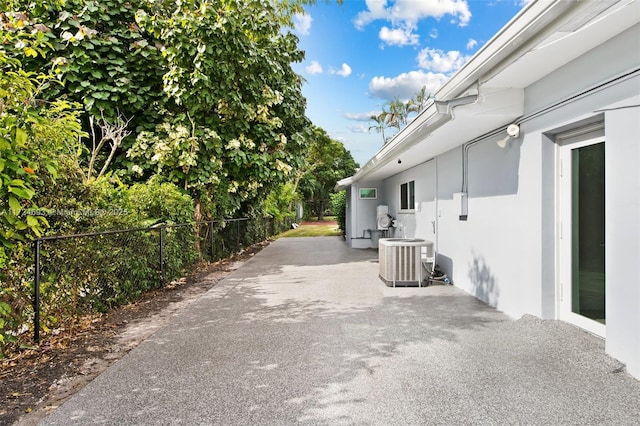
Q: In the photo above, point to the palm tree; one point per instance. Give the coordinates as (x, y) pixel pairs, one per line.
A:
(419, 101)
(380, 121)
(397, 114)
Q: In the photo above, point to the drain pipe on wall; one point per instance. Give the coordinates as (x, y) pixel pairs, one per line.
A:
(436, 222)
(447, 108)
(464, 191)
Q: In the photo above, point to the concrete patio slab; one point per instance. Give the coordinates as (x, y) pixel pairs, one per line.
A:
(306, 333)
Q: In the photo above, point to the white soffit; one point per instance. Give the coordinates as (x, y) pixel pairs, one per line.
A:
(599, 22)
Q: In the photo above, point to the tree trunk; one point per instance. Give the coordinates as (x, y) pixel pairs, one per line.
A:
(296, 182)
(321, 211)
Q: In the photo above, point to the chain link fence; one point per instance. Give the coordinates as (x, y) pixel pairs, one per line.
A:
(80, 274)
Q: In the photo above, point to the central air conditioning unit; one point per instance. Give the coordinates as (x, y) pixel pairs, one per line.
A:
(383, 221)
(401, 259)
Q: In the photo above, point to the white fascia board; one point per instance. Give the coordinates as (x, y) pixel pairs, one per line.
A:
(344, 183)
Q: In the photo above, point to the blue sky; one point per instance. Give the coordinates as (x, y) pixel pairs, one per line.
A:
(361, 54)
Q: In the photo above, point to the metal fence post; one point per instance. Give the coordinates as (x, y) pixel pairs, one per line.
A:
(36, 294)
(211, 241)
(161, 256)
(238, 235)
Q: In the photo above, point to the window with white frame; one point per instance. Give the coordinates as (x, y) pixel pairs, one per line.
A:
(368, 193)
(408, 196)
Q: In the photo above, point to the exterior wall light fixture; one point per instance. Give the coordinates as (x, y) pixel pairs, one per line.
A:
(513, 131)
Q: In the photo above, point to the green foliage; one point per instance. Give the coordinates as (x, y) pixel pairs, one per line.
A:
(36, 139)
(339, 208)
(160, 201)
(84, 275)
(143, 204)
(115, 269)
(326, 162)
(96, 51)
(240, 107)
(15, 295)
(207, 83)
(191, 159)
(33, 139)
(280, 200)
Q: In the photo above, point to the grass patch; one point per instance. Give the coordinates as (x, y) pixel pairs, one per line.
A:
(312, 231)
(324, 219)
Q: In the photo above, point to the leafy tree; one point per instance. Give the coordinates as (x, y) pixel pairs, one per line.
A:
(97, 52)
(397, 114)
(339, 208)
(239, 105)
(280, 201)
(327, 161)
(33, 137)
(214, 77)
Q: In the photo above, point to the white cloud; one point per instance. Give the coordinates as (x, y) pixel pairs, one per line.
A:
(399, 36)
(409, 12)
(345, 71)
(405, 85)
(314, 68)
(433, 33)
(471, 44)
(439, 61)
(375, 11)
(302, 23)
(360, 116)
(360, 128)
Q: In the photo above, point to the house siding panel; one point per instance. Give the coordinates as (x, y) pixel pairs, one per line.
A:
(623, 235)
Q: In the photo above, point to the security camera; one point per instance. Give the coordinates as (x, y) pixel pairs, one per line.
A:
(513, 130)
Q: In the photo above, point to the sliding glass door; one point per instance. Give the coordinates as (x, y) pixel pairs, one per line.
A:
(582, 234)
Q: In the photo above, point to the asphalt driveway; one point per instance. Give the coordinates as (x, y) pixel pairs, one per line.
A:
(306, 333)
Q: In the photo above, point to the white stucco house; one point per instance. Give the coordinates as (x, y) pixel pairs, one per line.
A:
(525, 172)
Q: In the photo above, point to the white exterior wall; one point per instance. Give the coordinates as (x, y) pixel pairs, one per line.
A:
(450, 234)
(421, 222)
(622, 151)
(361, 216)
(349, 220)
(486, 255)
(503, 226)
